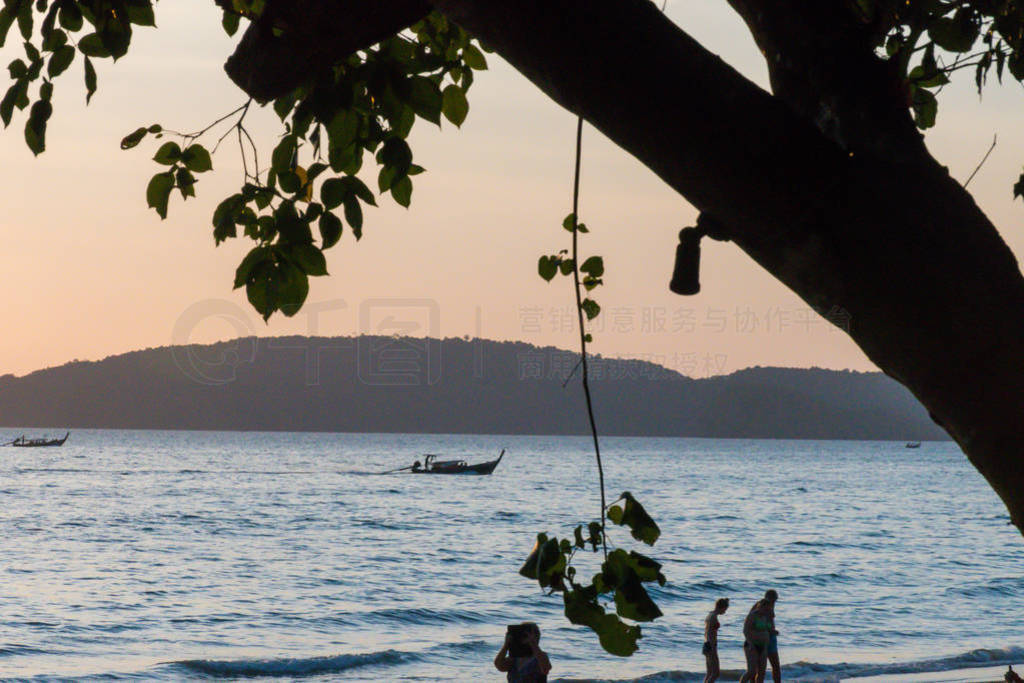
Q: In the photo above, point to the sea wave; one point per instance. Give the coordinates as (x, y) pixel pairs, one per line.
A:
(299, 666)
(812, 672)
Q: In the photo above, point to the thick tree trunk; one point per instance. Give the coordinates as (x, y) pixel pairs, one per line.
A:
(929, 290)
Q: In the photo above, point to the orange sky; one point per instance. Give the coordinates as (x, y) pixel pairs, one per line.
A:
(90, 271)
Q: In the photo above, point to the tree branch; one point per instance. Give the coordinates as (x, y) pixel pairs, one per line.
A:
(295, 38)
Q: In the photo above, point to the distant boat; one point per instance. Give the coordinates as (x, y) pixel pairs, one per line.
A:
(22, 442)
(431, 465)
(913, 444)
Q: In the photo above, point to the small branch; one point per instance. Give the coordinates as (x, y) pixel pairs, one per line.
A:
(980, 163)
(244, 109)
(571, 374)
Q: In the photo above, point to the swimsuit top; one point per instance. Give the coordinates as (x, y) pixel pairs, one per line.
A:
(711, 625)
(760, 623)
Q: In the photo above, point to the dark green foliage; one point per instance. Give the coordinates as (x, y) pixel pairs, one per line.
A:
(974, 34)
(593, 269)
(368, 102)
(620, 581)
(633, 515)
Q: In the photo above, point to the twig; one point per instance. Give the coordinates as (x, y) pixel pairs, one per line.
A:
(981, 163)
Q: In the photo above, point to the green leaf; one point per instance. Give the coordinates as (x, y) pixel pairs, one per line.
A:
(578, 536)
(330, 230)
(633, 515)
(582, 608)
(545, 564)
(590, 308)
(168, 154)
(359, 188)
(402, 191)
(342, 130)
(158, 192)
(185, 182)
(386, 178)
(354, 215)
(92, 46)
(133, 138)
(616, 637)
(53, 38)
(289, 181)
(70, 17)
(283, 157)
(141, 14)
(1018, 187)
(927, 78)
(15, 94)
(255, 256)
(396, 153)
(261, 288)
(925, 108)
(197, 159)
(569, 221)
(35, 127)
(60, 60)
(594, 529)
(454, 105)
(25, 19)
(632, 601)
(615, 514)
(17, 69)
(6, 21)
(473, 58)
(225, 216)
(310, 259)
(230, 22)
(593, 266)
(956, 34)
(646, 568)
(547, 267)
(294, 289)
(90, 80)
(566, 266)
(425, 98)
(333, 193)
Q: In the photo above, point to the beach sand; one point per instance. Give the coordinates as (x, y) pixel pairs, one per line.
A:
(988, 674)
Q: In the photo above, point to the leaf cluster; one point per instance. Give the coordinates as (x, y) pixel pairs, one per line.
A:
(366, 105)
(620, 581)
(93, 28)
(550, 265)
(928, 40)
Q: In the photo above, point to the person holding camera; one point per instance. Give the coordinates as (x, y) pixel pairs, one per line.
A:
(520, 657)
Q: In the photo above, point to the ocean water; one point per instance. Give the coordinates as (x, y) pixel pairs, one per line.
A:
(199, 555)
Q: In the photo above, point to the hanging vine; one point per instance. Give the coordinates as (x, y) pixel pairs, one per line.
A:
(622, 574)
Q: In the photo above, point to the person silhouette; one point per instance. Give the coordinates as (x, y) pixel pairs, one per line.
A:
(520, 657)
(711, 627)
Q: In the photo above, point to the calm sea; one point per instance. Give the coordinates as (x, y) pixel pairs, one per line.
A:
(179, 555)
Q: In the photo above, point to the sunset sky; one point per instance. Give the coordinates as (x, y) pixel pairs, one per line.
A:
(90, 272)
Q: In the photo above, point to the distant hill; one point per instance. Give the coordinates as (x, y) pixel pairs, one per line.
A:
(388, 384)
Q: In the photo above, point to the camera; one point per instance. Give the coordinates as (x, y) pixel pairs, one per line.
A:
(517, 634)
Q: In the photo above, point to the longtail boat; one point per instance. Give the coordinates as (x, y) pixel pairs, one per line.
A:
(431, 465)
(22, 442)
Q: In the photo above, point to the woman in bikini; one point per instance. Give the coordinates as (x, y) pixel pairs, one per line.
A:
(711, 627)
(757, 628)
